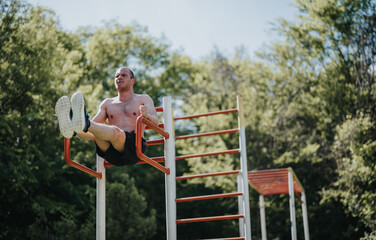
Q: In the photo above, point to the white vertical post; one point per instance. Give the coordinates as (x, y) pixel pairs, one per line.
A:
(244, 169)
(292, 205)
(305, 216)
(240, 205)
(262, 217)
(101, 201)
(170, 163)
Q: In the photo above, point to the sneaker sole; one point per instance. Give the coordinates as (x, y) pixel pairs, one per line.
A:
(62, 110)
(78, 106)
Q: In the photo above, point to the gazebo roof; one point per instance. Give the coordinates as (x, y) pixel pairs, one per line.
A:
(273, 181)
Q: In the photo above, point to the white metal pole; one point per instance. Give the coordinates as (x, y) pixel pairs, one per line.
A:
(244, 169)
(240, 205)
(170, 163)
(262, 216)
(305, 217)
(292, 205)
(101, 201)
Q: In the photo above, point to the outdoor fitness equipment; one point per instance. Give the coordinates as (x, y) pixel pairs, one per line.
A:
(166, 129)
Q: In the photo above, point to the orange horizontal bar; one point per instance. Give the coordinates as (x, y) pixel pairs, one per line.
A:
(207, 114)
(76, 164)
(154, 127)
(207, 219)
(155, 159)
(154, 142)
(161, 141)
(207, 154)
(207, 134)
(206, 197)
(207, 175)
(159, 109)
(160, 125)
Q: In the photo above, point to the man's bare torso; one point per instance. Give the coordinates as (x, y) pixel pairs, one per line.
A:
(123, 114)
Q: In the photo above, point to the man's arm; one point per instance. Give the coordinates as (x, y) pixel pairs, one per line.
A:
(148, 109)
(100, 117)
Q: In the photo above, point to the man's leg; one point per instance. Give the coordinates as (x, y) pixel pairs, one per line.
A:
(104, 134)
(102, 144)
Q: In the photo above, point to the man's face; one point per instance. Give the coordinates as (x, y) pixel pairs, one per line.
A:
(123, 79)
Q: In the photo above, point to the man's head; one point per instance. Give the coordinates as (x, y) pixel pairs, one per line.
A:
(124, 79)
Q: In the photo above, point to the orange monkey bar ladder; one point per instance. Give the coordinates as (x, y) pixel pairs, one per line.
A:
(242, 191)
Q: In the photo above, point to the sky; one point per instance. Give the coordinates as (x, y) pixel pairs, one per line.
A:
(192, 26)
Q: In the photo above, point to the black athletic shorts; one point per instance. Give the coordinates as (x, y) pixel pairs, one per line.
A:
(128, 157)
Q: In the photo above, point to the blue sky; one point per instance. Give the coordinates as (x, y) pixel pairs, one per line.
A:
(195, 26)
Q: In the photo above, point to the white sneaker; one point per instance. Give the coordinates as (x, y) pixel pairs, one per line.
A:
(62, 110)
(80, 119)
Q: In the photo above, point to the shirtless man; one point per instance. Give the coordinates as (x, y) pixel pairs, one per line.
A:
(115, 142)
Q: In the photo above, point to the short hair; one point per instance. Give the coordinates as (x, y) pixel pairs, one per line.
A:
(132, 74)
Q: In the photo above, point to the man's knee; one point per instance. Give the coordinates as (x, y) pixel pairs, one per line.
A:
(118, 134)
(118, 139)
(102, 145)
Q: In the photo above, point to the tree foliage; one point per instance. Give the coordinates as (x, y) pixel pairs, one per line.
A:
(42, 197)
(309, 100)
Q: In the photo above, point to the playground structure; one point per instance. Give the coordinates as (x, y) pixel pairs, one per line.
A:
(279, 181)
(166, 129)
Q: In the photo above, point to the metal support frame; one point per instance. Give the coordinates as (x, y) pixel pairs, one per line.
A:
(101, 201)
(170, 185)
(305, 217)
(262, 217)
(292, 204)
(240, 205)
(244, 204)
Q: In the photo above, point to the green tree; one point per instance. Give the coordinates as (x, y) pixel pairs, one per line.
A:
(323, 75)
(125, 217)
(32, 176)
(42, 196)
(298, 94)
